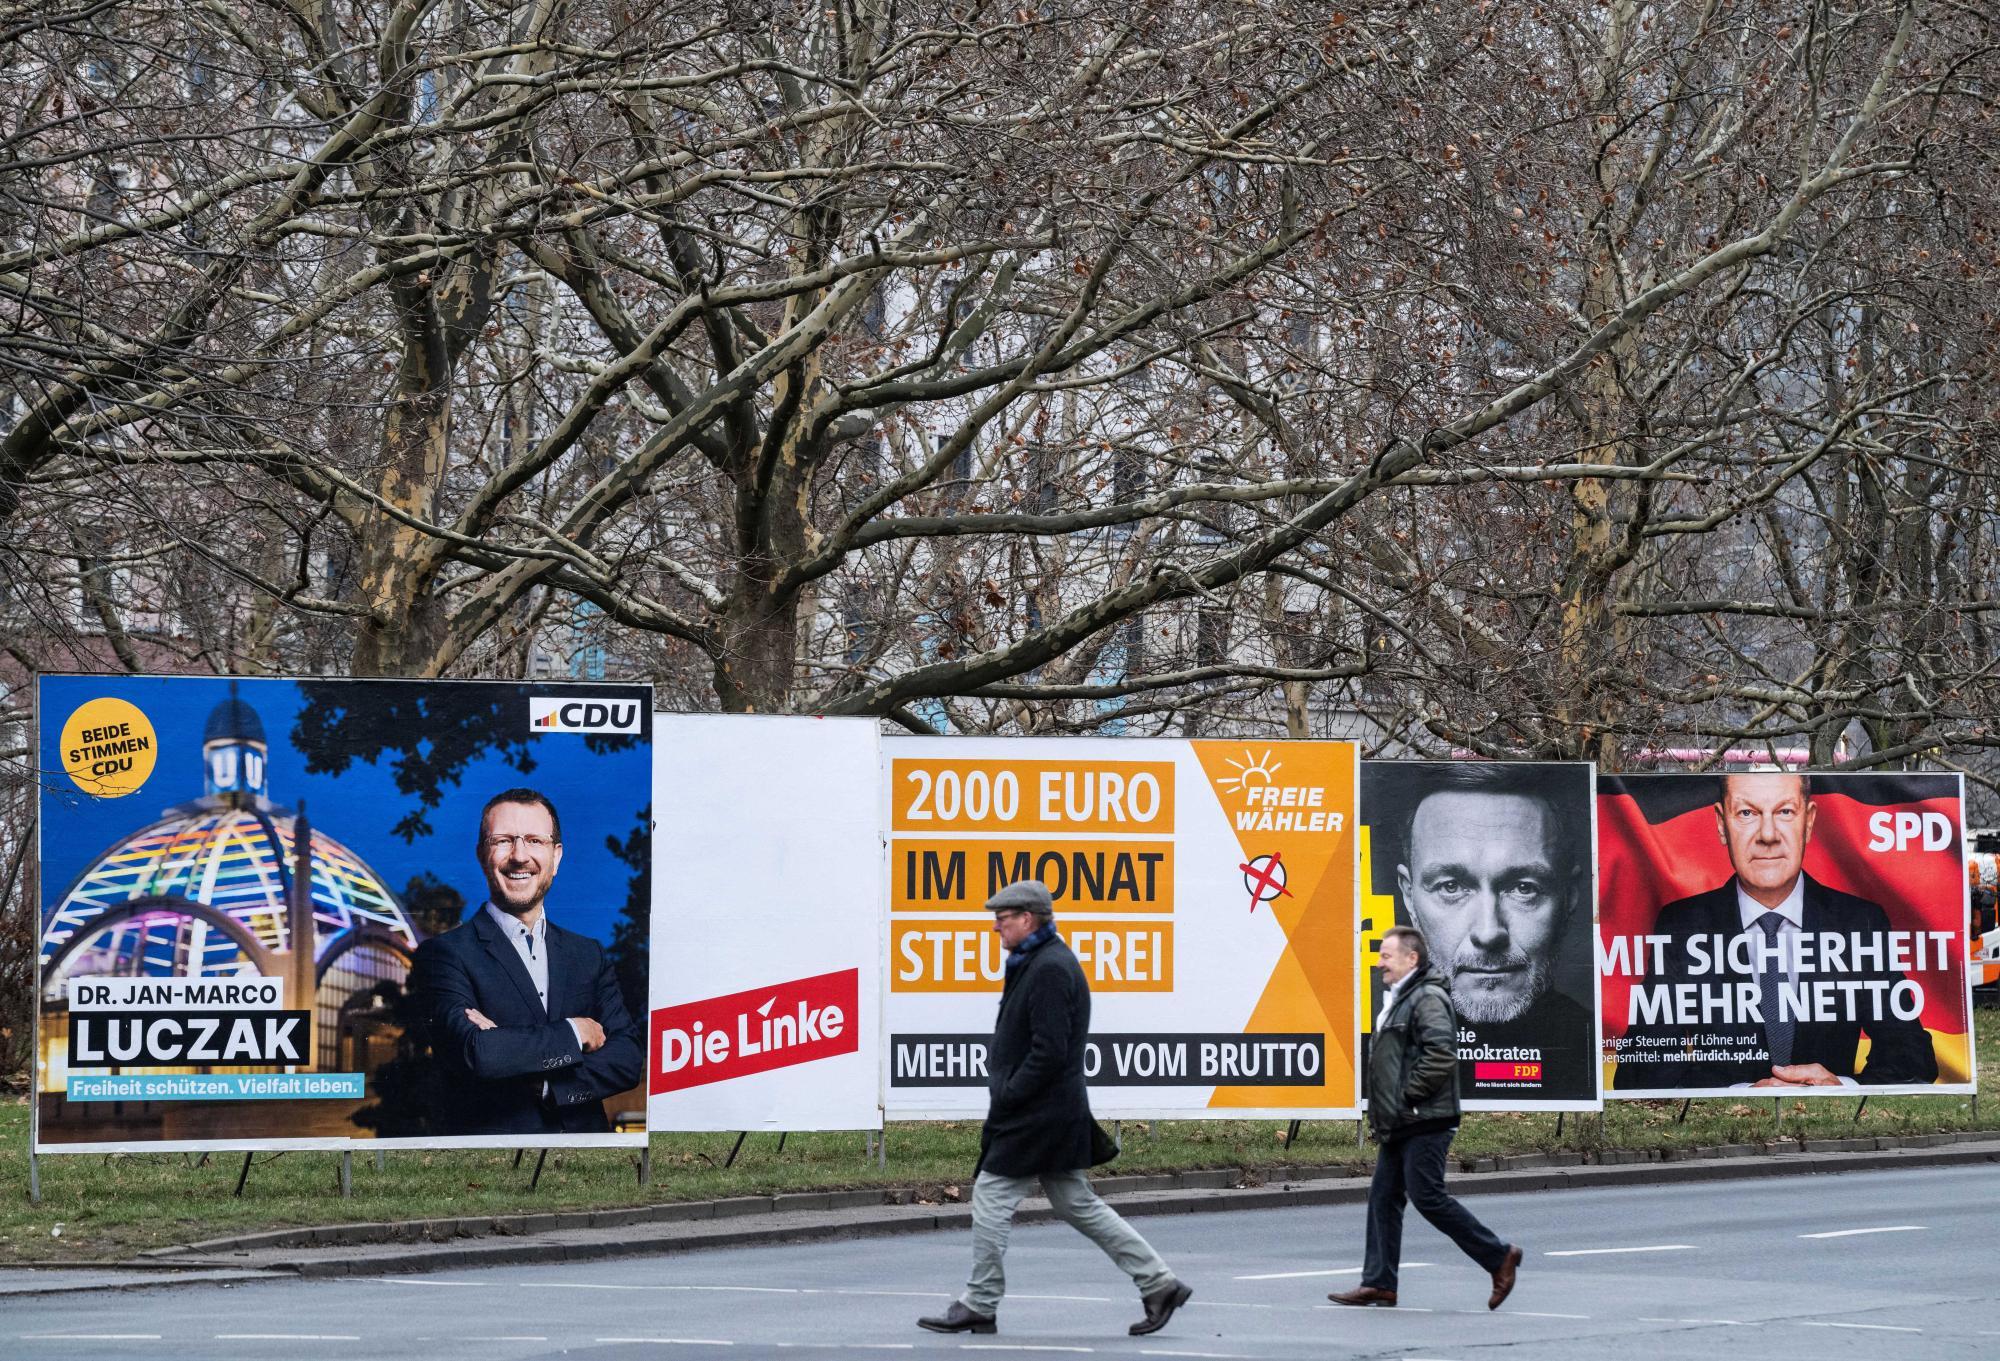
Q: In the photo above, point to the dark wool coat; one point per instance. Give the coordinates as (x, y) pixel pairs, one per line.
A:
(1038, 1113)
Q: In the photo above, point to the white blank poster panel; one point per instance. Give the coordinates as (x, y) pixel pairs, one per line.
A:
(768, 899)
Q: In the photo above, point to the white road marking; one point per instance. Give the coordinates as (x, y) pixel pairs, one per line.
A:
(1073, 1299)
(1016, 1347)
(894, 1294)
(674, 1341)
(1868, 1327)
(1703, 1322)
(853, 1346)
(1301, 1275)
(1607, 1252)
(90, 1337)
(1214, 1356)
(609, 1285)
(1856, 1233)
(288, 1337)
(419, 1280)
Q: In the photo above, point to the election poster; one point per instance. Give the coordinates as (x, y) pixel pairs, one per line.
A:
(1206, 888)
(1783, 932)
(767, 918)
(1494, 863)
(281, 914)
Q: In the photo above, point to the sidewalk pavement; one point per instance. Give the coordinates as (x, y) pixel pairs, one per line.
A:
(415, 1246)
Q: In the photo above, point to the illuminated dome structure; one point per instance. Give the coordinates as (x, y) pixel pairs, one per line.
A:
(214, 887)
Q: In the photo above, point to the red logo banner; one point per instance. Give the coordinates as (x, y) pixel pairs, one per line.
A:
(720, 1038)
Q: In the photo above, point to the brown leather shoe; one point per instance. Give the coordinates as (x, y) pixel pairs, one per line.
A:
(1503, 1277)
(1363, 1295)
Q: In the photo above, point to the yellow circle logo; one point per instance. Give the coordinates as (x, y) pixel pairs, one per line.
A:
(109, 747)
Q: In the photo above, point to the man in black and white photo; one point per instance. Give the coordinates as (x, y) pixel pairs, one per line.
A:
(1492, 868)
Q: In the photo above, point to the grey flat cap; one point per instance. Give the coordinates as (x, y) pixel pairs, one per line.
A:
(1031, 895)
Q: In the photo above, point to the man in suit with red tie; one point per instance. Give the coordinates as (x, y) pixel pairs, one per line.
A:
(1769, 912)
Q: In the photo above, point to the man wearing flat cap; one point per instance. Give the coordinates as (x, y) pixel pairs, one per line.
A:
(1038, 1126)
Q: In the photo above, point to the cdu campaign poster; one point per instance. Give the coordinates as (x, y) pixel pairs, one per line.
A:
(1206, 887)
(301, 913)
(1782, 931)
(1493, 862)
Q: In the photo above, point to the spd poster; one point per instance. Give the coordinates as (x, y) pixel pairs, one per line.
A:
(1783, 932)
(301, 913)
(1206, 887)
(1493, 862)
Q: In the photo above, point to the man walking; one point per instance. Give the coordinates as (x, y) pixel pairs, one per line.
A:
(1038, 1125)
(1413, 1111)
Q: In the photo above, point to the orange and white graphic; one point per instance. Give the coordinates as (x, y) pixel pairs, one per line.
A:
(1206, 887)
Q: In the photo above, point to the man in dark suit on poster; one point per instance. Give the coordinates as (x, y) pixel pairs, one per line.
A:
(1765, 821)
(529, 1032)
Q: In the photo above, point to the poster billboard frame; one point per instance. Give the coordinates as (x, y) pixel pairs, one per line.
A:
(1588, 966)
(1103, 1098)
(869, 1001)
(346, 1144)
(1970, 1087)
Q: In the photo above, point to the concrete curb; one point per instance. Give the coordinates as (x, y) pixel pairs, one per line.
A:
(756, 1220)
(1133, 1190)
(49, 1279)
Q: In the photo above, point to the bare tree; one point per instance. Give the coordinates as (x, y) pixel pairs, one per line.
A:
(1031, 367)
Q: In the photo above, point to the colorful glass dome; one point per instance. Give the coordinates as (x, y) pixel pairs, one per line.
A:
(232, 851)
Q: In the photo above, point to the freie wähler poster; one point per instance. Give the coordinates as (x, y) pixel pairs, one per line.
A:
(1207, 889)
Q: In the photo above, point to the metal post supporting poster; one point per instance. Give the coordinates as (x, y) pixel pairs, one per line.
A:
(33, 889)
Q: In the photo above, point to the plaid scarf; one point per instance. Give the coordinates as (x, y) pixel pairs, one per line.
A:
(1041, 936)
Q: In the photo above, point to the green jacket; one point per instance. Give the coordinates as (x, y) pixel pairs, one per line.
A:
(1413, 1061)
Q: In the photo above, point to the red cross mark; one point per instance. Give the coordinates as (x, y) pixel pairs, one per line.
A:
(1264, 876)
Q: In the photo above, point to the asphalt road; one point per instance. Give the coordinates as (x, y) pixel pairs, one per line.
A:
(1880, 1265)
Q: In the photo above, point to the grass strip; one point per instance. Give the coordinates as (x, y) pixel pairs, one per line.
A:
(99, 1208)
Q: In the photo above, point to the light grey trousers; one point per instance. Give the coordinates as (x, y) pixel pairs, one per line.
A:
(994, 1200)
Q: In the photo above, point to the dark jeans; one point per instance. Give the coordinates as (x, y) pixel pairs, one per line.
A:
(1412, 1169)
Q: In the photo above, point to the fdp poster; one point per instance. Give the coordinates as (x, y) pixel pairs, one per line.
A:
(1783, 932)
(1207, 888)
(301, 913)
(766, 1010)
(1494, 863)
